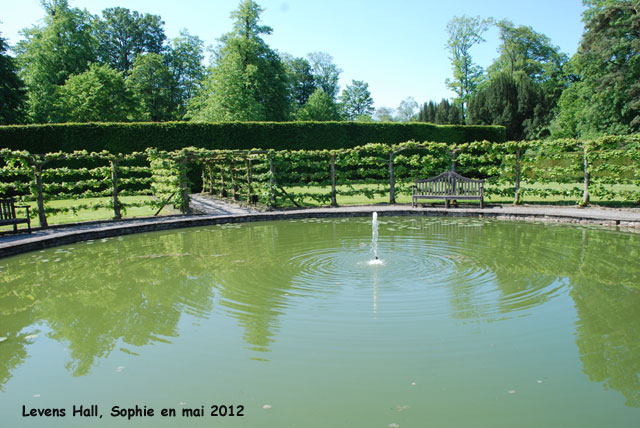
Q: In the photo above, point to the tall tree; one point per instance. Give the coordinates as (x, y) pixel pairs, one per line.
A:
(356, 101)
(513, 101)
(248, 80)
(524, 50)
(184, 59)
(464, 33)
(406, 111)
(384, 114)
(320, 107)
(151, 82)
(123, 35)
(325, 73)
(301, 81)
(427, 112)
(12, 89)
(49, 54)
(604, 97)
(97, 95)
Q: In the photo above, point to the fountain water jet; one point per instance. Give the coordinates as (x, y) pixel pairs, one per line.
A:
(374, 240)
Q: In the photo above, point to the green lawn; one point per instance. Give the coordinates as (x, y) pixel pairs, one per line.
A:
(92, 215)
(283, 202)
(405, 198)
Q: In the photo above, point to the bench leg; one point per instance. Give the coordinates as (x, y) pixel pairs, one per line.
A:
(481, 203)
(446, 203)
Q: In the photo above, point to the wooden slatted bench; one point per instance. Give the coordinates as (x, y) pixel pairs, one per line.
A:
(448, 186)
(8, 214)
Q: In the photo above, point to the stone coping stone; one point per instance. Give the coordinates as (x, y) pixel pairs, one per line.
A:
(13, 244)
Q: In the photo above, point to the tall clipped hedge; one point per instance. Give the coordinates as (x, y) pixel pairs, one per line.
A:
(136, 137)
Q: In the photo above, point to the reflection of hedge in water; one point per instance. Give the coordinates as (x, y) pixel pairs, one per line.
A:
(135, 289)
(98, 294)
(607, 337)
(600, 267)
(102, 293)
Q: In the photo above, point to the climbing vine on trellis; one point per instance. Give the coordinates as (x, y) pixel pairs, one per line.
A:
(608, 168)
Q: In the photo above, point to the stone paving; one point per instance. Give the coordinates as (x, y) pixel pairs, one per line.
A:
(218, 212)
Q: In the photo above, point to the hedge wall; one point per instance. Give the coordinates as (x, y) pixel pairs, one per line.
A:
(136, 137)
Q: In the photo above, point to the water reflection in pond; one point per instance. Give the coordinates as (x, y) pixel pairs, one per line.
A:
(500, 319)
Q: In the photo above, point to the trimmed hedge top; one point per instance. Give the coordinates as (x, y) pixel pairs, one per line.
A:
(136, 137)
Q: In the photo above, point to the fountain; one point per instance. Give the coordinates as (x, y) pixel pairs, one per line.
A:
(374, 240)
(286, 316)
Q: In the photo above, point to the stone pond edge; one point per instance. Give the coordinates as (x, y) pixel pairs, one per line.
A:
(63, 235)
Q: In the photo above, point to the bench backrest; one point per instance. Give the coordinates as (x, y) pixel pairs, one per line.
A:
(450, 183)
(7, 209)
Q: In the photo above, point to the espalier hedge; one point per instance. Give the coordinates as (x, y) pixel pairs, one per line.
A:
(136, 137)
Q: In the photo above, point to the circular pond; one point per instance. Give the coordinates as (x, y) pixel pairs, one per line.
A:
(464, 322)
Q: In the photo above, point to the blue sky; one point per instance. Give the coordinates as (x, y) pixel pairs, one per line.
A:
(397, 47)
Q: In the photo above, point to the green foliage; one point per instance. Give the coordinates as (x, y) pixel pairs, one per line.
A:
(320, 107)
(464, 33)
(79, 175)
(325, 73)
(356, 100)
(603, 98)
(283, 176)
(513, 101)
(123, 35)
(248, 81)
(185, 63)
(132, 137)
(442, 113)
(524, 50)
(12, 90)
(50, 54)
(151, 82)
(301, 82)
(406, 110)
(384, 114)
(98, 94)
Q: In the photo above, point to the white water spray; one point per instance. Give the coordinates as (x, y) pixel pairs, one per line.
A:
(374, 240)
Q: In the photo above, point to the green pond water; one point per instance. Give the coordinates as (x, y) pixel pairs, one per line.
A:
(466, 323)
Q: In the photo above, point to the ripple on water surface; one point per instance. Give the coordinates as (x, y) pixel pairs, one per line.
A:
(457, 311)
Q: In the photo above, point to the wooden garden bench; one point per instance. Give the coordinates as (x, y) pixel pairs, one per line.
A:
(8, 214)
(448, 186)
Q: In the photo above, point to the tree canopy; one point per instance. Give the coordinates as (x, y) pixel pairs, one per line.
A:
(464, 32)
(248, 80)
(12, 90)
(122, 35)
(50, 54)
(98, 94)
(120, 66)
(356, 101)
(604, 96)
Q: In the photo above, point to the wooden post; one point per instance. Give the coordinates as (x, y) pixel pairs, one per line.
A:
(392, 181)
(334, 202)
(585, 196)
(42, 217)
(517, 178)
(211, 179)
(184, 185)
(272, 183)
(114, 180)
(203, 177)
(249, 189)
(234, 186)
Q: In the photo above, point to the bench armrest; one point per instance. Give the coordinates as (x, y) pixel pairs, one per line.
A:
(27, 207)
